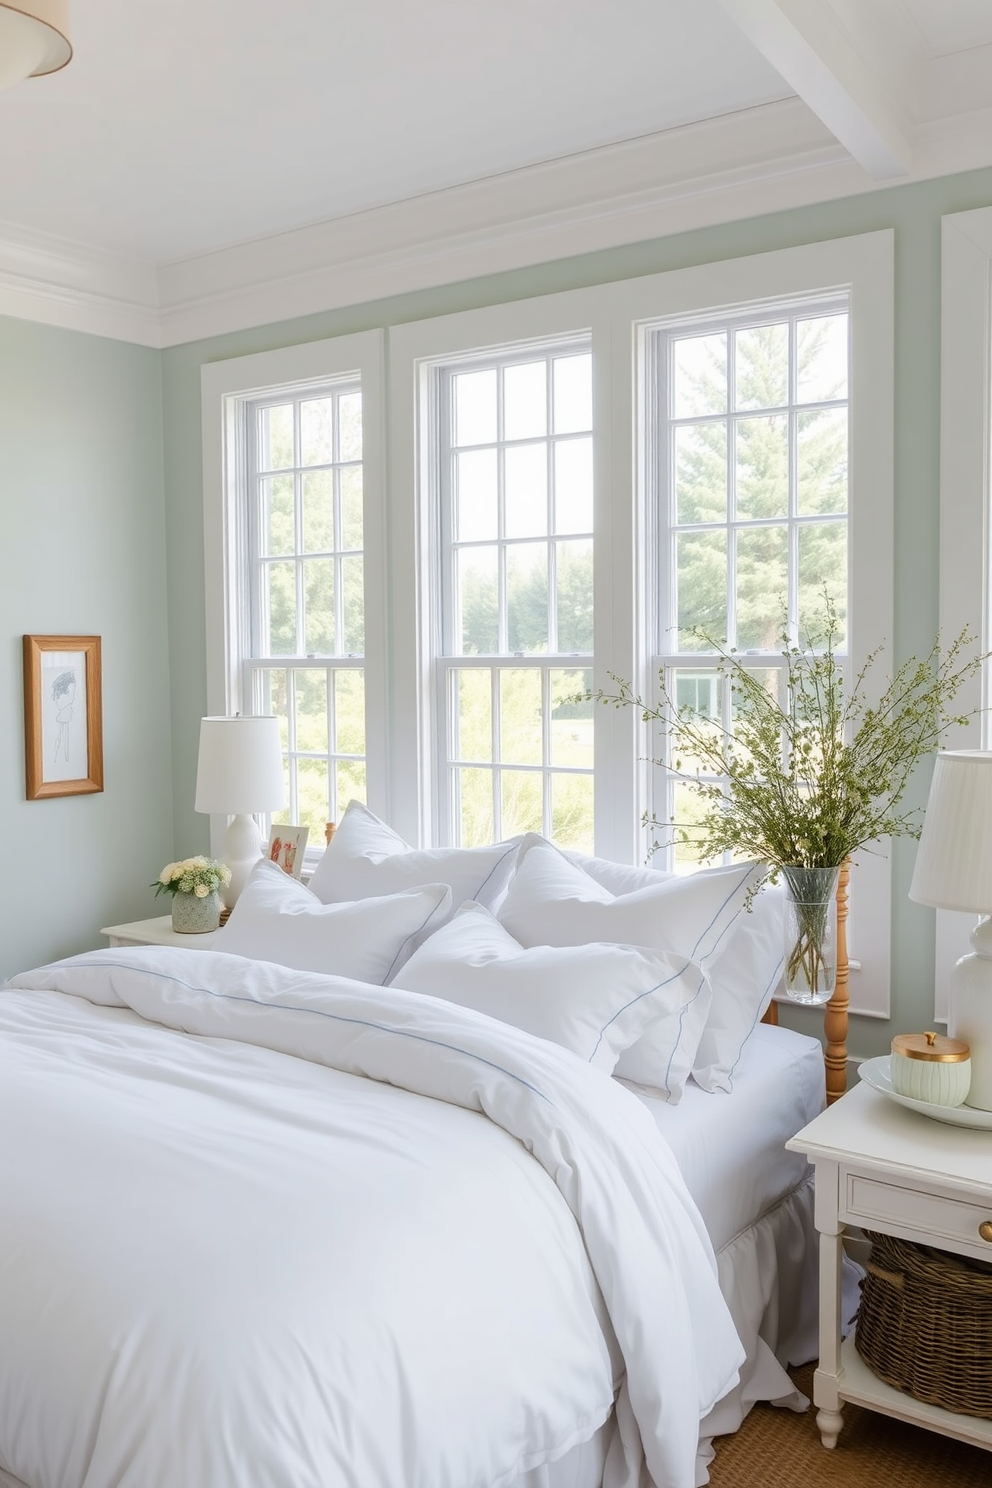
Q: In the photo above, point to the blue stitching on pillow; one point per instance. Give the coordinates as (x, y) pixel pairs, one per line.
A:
(754, 1022)
(682, 1012)
(639, 998)
(734, 891)
(498, 864)
(407, 940)
(318, 1012)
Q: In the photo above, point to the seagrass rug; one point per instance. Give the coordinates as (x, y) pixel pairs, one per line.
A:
(780, 1449)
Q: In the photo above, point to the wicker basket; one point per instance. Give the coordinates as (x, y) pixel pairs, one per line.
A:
(925, 1324)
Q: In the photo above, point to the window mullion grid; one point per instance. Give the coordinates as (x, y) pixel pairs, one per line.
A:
(331, 705)
(443, 589)
(497, 755)
(291, 744)
(451, 785)
(337, 533)
(550, 507)
(667, 638)
(546, 805)
(301, 616)
(732, 528)
(792, 576)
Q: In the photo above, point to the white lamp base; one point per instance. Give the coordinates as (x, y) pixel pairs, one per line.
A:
(241, 850)
(969, 1015)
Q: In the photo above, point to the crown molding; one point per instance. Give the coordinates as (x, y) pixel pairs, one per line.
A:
(77, 288)
(726, 169)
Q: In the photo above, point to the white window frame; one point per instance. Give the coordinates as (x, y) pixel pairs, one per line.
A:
(227, 390)
(447, 659)
(670, 657)
(862, 265)
(965, 495)
(415, 350)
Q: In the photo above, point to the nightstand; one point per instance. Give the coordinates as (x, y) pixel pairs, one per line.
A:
(883, 1167)
(156, 931)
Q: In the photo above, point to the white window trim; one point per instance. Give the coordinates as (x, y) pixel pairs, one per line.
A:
(863, 265)
(965, 433)
(225, 388)
(413, 350)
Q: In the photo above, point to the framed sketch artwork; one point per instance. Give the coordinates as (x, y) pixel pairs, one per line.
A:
(63, 716)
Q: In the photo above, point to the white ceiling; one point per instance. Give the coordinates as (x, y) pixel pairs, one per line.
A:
(314, 130)
(184, 127)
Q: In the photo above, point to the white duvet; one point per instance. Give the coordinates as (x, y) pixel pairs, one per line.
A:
(290, 1251)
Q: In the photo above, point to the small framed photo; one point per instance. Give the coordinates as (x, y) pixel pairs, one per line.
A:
(287, 846)
(63, 716)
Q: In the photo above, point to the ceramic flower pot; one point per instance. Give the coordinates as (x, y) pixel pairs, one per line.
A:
(192, 915)
(811, 933)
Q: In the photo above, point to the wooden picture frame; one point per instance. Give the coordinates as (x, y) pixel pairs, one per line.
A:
(63, 716)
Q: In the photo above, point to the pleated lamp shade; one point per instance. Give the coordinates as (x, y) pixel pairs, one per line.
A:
(954, 861)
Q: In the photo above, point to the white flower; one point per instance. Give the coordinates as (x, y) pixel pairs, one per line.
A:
(201, 891)
(165, 876)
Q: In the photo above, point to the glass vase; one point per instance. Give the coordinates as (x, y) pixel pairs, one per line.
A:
(192, 915)
(810, 933)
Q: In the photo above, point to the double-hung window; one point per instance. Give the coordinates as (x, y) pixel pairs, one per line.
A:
(305, 658)
(748, 431)
(302, 600)
(514, 594)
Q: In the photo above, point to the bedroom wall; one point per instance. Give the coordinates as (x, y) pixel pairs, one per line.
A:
(913, 212)
(82, 552)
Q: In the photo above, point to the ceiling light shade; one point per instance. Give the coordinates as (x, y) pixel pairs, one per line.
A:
(34, 39)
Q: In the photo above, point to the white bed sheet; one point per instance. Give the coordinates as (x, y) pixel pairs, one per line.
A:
(730, 1147)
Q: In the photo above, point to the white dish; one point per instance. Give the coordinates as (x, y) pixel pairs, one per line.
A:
(875, 1072)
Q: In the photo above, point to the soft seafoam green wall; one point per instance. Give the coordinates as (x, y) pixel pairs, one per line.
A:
(913, 212)
(82, 531)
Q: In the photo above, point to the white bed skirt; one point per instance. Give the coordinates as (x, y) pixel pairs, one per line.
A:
(769, 1276)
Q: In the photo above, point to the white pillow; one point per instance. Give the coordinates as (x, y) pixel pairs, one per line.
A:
(277, 919)
(365, 857)
(743, 973)
(593, 999)
(551, 901)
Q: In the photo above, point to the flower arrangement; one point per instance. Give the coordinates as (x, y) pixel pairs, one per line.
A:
(805, 774)
(199, 876)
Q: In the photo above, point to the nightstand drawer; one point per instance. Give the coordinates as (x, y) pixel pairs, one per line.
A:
(929, 1216)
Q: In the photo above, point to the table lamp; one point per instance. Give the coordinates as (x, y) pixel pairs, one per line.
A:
(954, 871)
(239, 772)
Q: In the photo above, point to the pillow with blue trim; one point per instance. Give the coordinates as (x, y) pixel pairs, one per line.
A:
(366, 857)
(552, 901)
(744, 973)
(278, 919)
(593, 999)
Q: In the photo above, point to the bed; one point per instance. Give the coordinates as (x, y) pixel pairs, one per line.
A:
(264, 1224)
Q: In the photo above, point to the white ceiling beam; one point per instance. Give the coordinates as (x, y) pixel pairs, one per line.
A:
(834, 73)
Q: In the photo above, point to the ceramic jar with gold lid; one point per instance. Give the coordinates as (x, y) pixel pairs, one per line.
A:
(929, 1067)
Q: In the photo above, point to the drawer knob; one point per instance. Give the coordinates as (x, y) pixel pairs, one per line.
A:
(985, 1230)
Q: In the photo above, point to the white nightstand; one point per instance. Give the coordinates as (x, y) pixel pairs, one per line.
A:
(886, 1168)
(157, 931)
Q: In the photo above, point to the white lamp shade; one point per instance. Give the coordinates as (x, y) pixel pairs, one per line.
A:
(239, 769)
(34, 39)
(954, 861)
